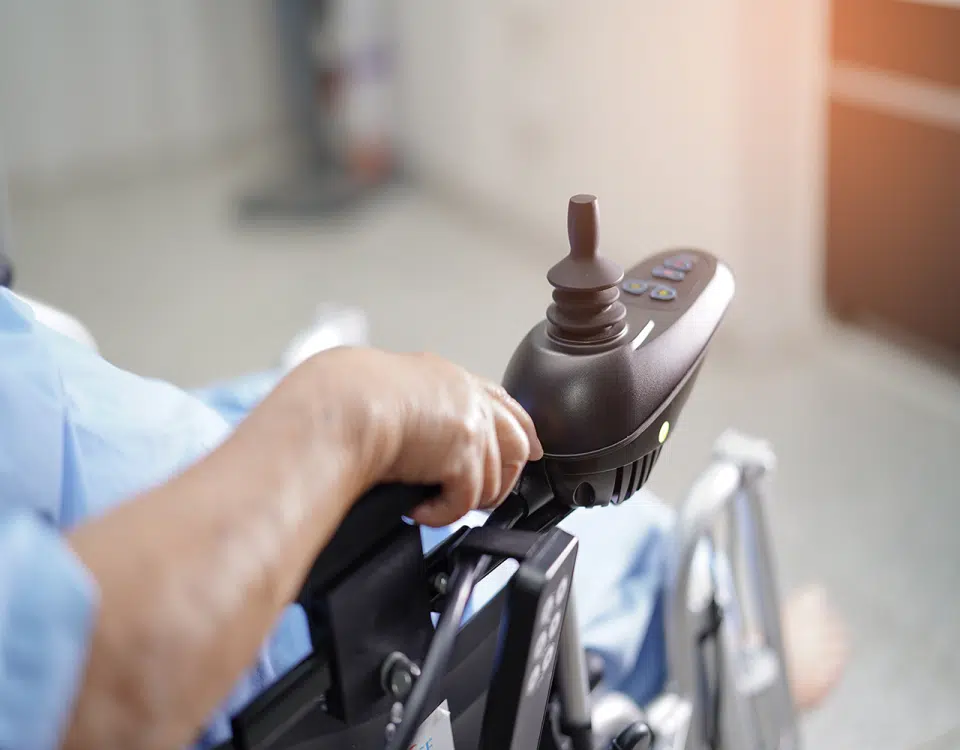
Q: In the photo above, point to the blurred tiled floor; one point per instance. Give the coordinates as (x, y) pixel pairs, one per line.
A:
(868, 488)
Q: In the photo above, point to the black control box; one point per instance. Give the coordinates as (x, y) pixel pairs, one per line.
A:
(530, 636)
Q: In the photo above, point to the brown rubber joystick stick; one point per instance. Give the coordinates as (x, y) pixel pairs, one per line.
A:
(586, 305)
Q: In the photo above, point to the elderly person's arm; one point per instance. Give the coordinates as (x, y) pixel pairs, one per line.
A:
(193, 574)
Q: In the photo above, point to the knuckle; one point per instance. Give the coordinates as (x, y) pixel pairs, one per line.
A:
(500, 393)
(468, 432)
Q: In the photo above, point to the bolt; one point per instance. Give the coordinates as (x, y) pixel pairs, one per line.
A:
(401, 683)
(398, 674)
(441, 581)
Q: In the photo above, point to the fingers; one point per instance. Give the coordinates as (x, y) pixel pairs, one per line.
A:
(492, 465)
(461, 494)
(471, 436)
(479, 480)
(437, 513)
(500, 396)
(514, 451)
(516, 442)
(474, 470)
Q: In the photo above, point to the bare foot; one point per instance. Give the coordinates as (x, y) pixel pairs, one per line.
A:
(816, 646)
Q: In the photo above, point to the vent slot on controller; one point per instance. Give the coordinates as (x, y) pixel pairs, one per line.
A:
(618, 495)
(637, 474)
(648, 463)
(631, 484)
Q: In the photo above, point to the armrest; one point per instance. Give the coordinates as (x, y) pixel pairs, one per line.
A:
(367, 524)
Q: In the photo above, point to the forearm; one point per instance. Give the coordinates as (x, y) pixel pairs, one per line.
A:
(194, 574)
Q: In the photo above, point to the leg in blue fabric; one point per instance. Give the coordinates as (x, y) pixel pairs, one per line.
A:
(621, 577)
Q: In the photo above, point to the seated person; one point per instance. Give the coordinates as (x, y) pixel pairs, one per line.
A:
(151, 539)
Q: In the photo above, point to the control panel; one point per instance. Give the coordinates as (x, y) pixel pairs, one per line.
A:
(659, 290)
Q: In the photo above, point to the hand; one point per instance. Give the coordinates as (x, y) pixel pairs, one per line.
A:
(420, 419)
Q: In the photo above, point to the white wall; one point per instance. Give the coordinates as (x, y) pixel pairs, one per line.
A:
(103, 84)
(694, 121)
(784, 69)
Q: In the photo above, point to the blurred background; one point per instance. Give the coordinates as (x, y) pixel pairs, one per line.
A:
(192, 179)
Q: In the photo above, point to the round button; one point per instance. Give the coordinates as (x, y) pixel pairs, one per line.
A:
(548, 606)
(663, 293)
(555, 625)
(680, 262)
(548, 657)
(540, 645)
(562, 588)
(633, 286)
(534, 679)
(662, 272)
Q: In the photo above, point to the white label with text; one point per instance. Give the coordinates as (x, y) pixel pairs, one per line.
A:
(436, 732)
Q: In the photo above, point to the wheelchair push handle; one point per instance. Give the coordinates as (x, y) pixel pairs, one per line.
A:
(369, 521)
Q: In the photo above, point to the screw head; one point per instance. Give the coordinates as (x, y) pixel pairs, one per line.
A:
(401, 683)
(398, 674)
(441, 582)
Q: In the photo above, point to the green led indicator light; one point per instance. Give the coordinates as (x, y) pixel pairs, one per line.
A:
(664, 431)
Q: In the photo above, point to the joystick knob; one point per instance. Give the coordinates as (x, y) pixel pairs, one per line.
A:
(586, 305)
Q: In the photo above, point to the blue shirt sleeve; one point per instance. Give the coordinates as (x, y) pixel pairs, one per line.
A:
(48, 605)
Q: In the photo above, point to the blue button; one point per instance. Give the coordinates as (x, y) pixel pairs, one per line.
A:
(680, 262)
(663, 293)
(632, 286)
(662, 272)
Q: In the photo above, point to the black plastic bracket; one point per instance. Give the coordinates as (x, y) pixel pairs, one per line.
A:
(498, 542)
(381, 608)
(536, 604)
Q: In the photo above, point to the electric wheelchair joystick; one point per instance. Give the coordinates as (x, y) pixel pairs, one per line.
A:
(604, 376)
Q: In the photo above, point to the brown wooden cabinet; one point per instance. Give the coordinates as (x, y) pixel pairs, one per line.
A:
(893, 190)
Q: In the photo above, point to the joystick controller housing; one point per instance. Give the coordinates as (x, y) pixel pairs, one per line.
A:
(605, 375)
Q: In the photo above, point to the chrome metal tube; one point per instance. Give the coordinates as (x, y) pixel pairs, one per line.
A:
(573, 683)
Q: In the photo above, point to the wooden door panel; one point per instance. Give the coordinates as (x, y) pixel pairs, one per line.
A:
(893, 179)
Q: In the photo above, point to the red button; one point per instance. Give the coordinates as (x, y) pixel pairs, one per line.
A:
(672, 274)
(680, 262)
